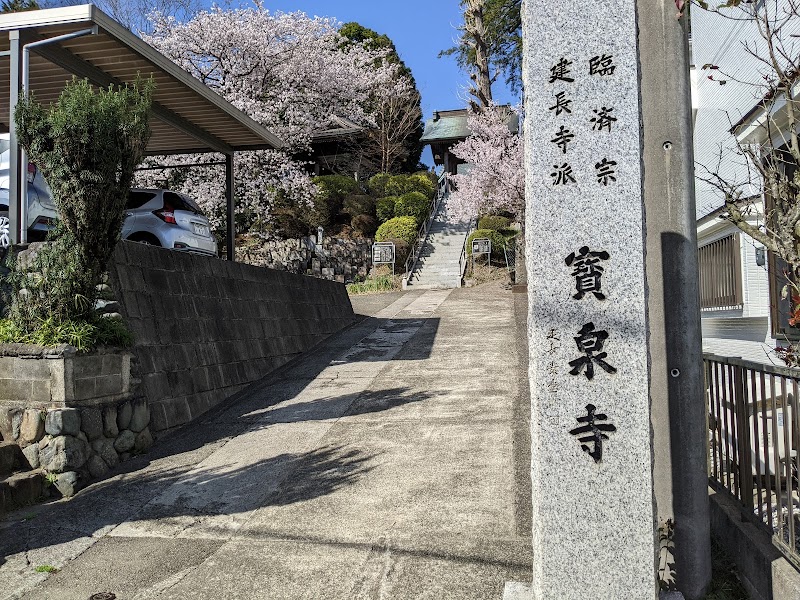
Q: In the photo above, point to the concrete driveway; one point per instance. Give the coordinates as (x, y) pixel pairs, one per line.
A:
(389, 463)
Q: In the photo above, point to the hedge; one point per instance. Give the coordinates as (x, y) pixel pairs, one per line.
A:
(498, 241)
(413, 204)
(494, 222)
(384, 208)
(333, 189)
(403, 232)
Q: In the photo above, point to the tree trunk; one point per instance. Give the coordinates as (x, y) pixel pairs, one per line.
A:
(482, 81)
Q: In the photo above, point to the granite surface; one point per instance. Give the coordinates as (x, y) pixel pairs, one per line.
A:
(593, 533)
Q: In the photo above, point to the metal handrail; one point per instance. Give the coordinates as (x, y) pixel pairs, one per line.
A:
(462, 260)
(411, 262)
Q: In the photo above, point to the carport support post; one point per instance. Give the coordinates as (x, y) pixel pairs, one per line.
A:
(15, 181)
(231, 220)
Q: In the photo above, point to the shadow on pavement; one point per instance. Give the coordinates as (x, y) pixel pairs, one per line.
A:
(134, 491)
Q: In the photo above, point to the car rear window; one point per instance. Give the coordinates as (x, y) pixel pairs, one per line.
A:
(138, 199)
(179, 202)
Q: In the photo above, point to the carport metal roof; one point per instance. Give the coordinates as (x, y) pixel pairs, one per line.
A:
(187, 116)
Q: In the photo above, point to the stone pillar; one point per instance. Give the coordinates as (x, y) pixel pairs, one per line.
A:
(591, 467)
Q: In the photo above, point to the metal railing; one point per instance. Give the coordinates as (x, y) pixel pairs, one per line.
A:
(413, 256)
(753, 436)
(463, 260)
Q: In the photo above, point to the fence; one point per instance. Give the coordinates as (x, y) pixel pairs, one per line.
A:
(753, 437)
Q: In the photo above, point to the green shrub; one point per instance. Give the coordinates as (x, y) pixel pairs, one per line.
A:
(359, 204)
(377, 184)
(424, 185)
(364, 225)
(384, 208)
(333, 189)
(494, 222)
(498, 241)
(403, 232)
(87, 145)
(83, 335)
(400, 184)
(401, 228)
(413, 204)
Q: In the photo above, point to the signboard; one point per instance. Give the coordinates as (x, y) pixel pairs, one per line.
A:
(481, 246)
(383, 253)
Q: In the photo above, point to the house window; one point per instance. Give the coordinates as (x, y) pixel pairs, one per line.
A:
(721, 274)
(779, 306)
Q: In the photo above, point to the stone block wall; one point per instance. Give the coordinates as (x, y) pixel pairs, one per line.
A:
(206, 328)
(62, 377)
(336, 259)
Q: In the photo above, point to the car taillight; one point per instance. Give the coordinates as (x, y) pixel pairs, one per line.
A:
(166, 214)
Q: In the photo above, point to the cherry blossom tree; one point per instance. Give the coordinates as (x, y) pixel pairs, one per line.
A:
(495, 181)
(289, 72)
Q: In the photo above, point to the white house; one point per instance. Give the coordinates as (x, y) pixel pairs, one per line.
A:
(742, 313)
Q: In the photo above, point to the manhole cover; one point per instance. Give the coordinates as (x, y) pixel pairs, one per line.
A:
(103, 596)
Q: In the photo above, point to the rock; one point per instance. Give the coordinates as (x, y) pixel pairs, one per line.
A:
(97, 467)
(63, 453)
(140, 417)
(104, 292)
(92, 423)
(106, 306)
(32, 455)
(82, 436)
(32, 428)
(125, 456)
(124, 414)
(67, 483)
(63, 421)
(10, 423)
(143, 440)
(125, 442)
(110, 428)
(113, 316)
(105, 449)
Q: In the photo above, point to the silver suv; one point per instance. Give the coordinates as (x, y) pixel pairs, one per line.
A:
(167, 219)
(42, 214)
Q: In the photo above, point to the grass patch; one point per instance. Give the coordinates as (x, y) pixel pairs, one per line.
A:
(382, 283)
(725, 585)
(83, 335)
(46, 569)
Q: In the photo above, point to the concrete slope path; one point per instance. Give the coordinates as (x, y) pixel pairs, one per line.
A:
(388, 463)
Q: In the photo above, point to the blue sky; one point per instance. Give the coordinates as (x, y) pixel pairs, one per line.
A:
(419, 29)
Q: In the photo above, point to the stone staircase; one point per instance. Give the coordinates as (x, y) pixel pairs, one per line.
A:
(438, 264)
(19, 484)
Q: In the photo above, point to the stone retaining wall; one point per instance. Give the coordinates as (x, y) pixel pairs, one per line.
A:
(336, 259)
(206, 328)
(63, 378)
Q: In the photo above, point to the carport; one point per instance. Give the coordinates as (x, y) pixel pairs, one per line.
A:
(187, 117)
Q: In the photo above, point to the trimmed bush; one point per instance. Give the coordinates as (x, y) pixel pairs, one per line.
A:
(359, 204)
(364, 225)
(377, 184)
(494, 222)
(333, 189)
(384, 208)
(398, 228)
(424, 185)
(413, 204)
(498, 241)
